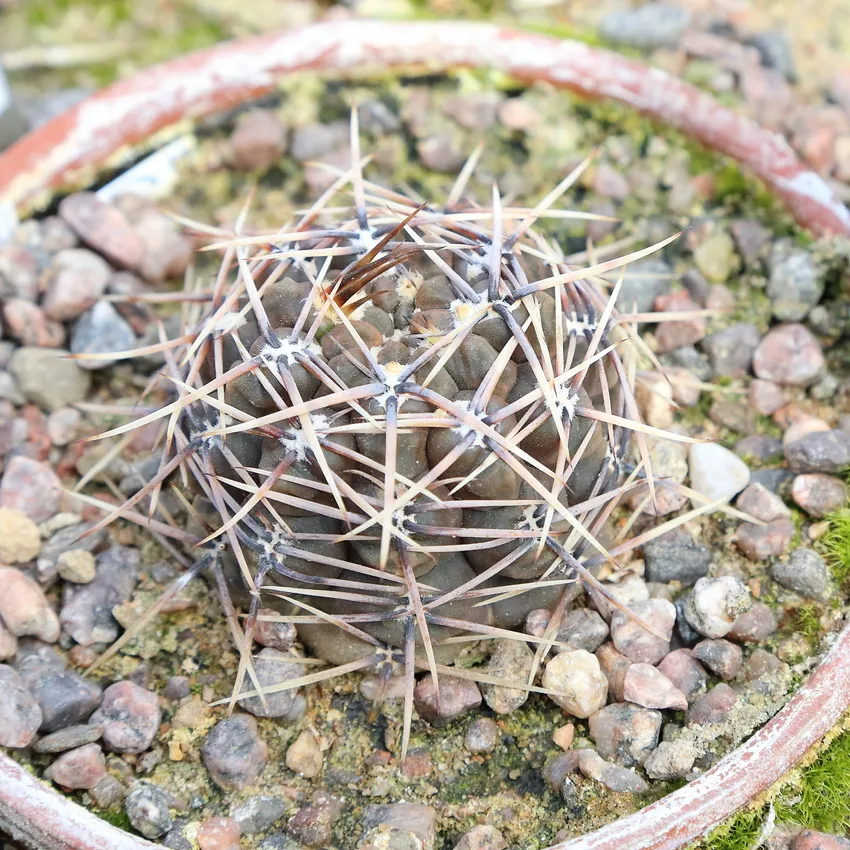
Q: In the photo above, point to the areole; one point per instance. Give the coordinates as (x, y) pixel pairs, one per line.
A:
(103, 129)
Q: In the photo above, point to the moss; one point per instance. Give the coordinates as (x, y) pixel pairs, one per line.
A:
(823, 801)
(739, 833)
(806, 621)
(116, 818)
(835, 546)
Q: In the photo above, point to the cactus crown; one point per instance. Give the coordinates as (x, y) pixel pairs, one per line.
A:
(406, 426)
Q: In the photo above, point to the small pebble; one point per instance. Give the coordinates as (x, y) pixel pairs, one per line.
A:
(670, 760)
(20, 540)
(685, 672)
(457, 696)
(759, 447)
(103, 227)
(176, 688)
(313, 825)
(818, 494)
(675, 556)
(147, 810)
(511, 660)
(723, 658)
(218, 834)
(31, 487)
(108, 792)
(272, 668)
(65, 698)
(713, 707)
(24, 607)
(100, 330)
(790, 356)
(759, 502)
(806, 573)
(759, 542)
(612, 776)
(77, 278)
(482, 837)
(614, 665)
(275, 635)
(716, 473)
(77, 566)
(258, 814)
(715, 604)
(563, 736)
(625, 733)
(810, 839)
(482, 736)
(81, 768)
(582, 629)
(794, 285)
(411, 817)
(766, 397)
(258, 141)
(20, 715)
(635, 642)
(130, 716)
(69, 738)
(646, 27)
(646, 686)
(731, 350)
(233, 753)
(761, 663)
(576, 682)
(304, 755)
(63, 425)
(821, 451)
(755, 626)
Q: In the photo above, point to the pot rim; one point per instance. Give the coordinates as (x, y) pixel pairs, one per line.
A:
(105, 125)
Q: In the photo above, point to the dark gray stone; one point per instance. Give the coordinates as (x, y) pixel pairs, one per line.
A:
(676, 557)
(821, 451)
(147, 809)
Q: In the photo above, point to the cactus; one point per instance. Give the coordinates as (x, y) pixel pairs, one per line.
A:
(405, 427)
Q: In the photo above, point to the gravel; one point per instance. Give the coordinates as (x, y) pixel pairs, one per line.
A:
(65, 697)
(258, 813)
(47, 379)
(457, 696)
(715, 604)
(671, 760)
(685, 672)
(130, 716)
(716, 473)
(31, 487)
(272, 668)
(634, 641)
(576, 682)
(789, 355)
(795, 284)
(731, 350)
(20, 540)
(675, 556)
(819, 494)
(147, 810)
(625, 733)
(69, 738)
(304, 755)
(101, 330)
(646, 686)
(647, 27)
(713, 707)
(806, 573)
(81, 768)
(723, 658)
(24, 607)
(20, 715)
(821, 451)
(482, 736)
(233, 753)
(511, 660)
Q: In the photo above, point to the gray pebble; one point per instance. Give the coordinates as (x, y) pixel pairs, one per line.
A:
(272, 668)
(257, 814)
(820, 451)
(806, 573)
(646, 27)
(65, 698)
(147, 810)
(68, 739)
(795, 285)
(101, 330)
(676, 557)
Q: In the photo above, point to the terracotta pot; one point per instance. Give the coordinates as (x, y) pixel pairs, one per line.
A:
(103, 128)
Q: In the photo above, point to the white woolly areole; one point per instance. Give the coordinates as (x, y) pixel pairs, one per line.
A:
(463, 429)
(286, 352)
(295, 440)
(228, 323)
